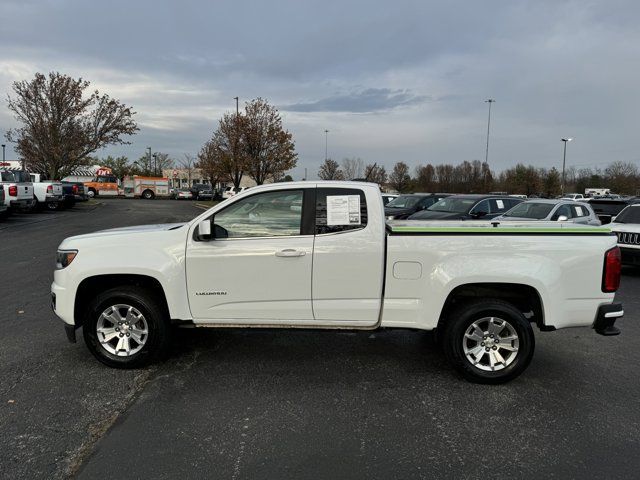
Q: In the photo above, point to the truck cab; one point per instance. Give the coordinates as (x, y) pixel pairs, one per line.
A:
(104, 185)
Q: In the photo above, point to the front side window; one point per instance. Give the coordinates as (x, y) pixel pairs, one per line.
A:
(340, 210)
(269, 214)
(482, 207)
(453, 205)
(403, 201)
(563, 210)
(532, 210)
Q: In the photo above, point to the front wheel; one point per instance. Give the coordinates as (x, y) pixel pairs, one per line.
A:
(148, 195)
(126, 328)
(488, 341)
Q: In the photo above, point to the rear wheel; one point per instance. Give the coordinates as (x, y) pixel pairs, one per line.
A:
(91, 193)
(52, 206)
(148, 195)
(126, 328)
(488, 341)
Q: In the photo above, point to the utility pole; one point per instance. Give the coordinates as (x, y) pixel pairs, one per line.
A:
(326, 144)
(235, 140)
(155, 164)
(486, 156)
(564, 161)
(149, 148)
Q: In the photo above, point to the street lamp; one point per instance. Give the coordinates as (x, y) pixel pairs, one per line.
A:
(3, 147)
(326, 143)
(486, 156)
(564, 161)
(155, 164)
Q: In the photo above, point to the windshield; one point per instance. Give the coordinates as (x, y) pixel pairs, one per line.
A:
(534, 210)
(629, 215)
(403, 201)
(454, 205)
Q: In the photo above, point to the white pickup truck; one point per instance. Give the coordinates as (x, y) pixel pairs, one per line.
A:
(47, 193)
(319, 255)
(18, 189)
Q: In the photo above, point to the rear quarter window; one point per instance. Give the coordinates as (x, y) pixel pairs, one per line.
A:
(321, 210)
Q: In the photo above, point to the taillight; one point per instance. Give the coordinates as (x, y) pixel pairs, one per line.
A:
(49, 188)
(13, 191)
(74, 189)
(612, 269)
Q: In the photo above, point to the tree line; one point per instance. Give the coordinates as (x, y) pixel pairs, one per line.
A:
(477, 177)
(62, 124)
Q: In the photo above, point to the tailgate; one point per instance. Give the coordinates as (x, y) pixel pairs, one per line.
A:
(57, 189)
(25, 191)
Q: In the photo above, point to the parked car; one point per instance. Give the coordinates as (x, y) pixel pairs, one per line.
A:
(387, 197)
(47, 193)
(626, 226)
(73, 192)
(4, 210)
(18, 190)
(574, 196)
(552, 211)
(184, 194)
(205, 194)
(482, 287)
(198, 187)
(607, 208)
(467, 207)
(403, 206)
(232, 191)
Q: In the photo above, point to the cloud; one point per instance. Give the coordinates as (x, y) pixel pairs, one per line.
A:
(364, 101)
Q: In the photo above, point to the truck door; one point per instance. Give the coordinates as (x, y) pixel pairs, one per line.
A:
(348, 257)
(257, 269)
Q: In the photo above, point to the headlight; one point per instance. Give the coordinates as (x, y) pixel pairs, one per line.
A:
(390, 217)
(64, 258)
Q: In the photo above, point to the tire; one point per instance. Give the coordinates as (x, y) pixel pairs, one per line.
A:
(91, 193)
(148, 195)
(474, 327)
(53, 206)
(151, 346)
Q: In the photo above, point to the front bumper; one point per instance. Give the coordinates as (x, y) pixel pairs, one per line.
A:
(630, 256)
(606, 317)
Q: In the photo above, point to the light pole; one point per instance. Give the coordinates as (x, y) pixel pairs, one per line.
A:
(486, 156)
(155, 164)
(564, 161)
(3, 147)
(149, 148)
(326, 144)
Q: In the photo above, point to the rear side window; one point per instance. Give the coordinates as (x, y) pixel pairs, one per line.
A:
(499, 205)
(580, 211)
(344, 217)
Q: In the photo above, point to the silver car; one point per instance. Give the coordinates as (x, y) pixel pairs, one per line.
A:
(558, 210)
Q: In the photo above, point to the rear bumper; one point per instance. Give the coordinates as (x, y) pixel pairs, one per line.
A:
(630, 256)
(22, 203)
(53, 198)
(606, 318)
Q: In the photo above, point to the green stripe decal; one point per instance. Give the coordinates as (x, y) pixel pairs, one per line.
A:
(490, 230)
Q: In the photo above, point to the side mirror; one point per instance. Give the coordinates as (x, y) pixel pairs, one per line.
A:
(562, 218)
(204, 230)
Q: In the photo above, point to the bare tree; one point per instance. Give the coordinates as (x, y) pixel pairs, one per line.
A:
(330, 170)
(61, 126)
(210, 162)
(352, 168)
(375, 173)
(187, 163)
(400, 178)
(268, 148)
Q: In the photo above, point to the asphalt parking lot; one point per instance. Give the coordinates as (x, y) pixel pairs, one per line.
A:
(295, 404)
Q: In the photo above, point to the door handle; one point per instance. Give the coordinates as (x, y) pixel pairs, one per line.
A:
(290, 252)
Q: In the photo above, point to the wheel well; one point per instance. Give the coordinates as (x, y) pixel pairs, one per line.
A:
(524, 297)
(90, 287)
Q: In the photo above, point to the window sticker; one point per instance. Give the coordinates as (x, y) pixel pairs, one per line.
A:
(343, 210)
(579, 211)
(500, 204)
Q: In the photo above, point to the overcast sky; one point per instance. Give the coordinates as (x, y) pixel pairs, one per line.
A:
(400, 80)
